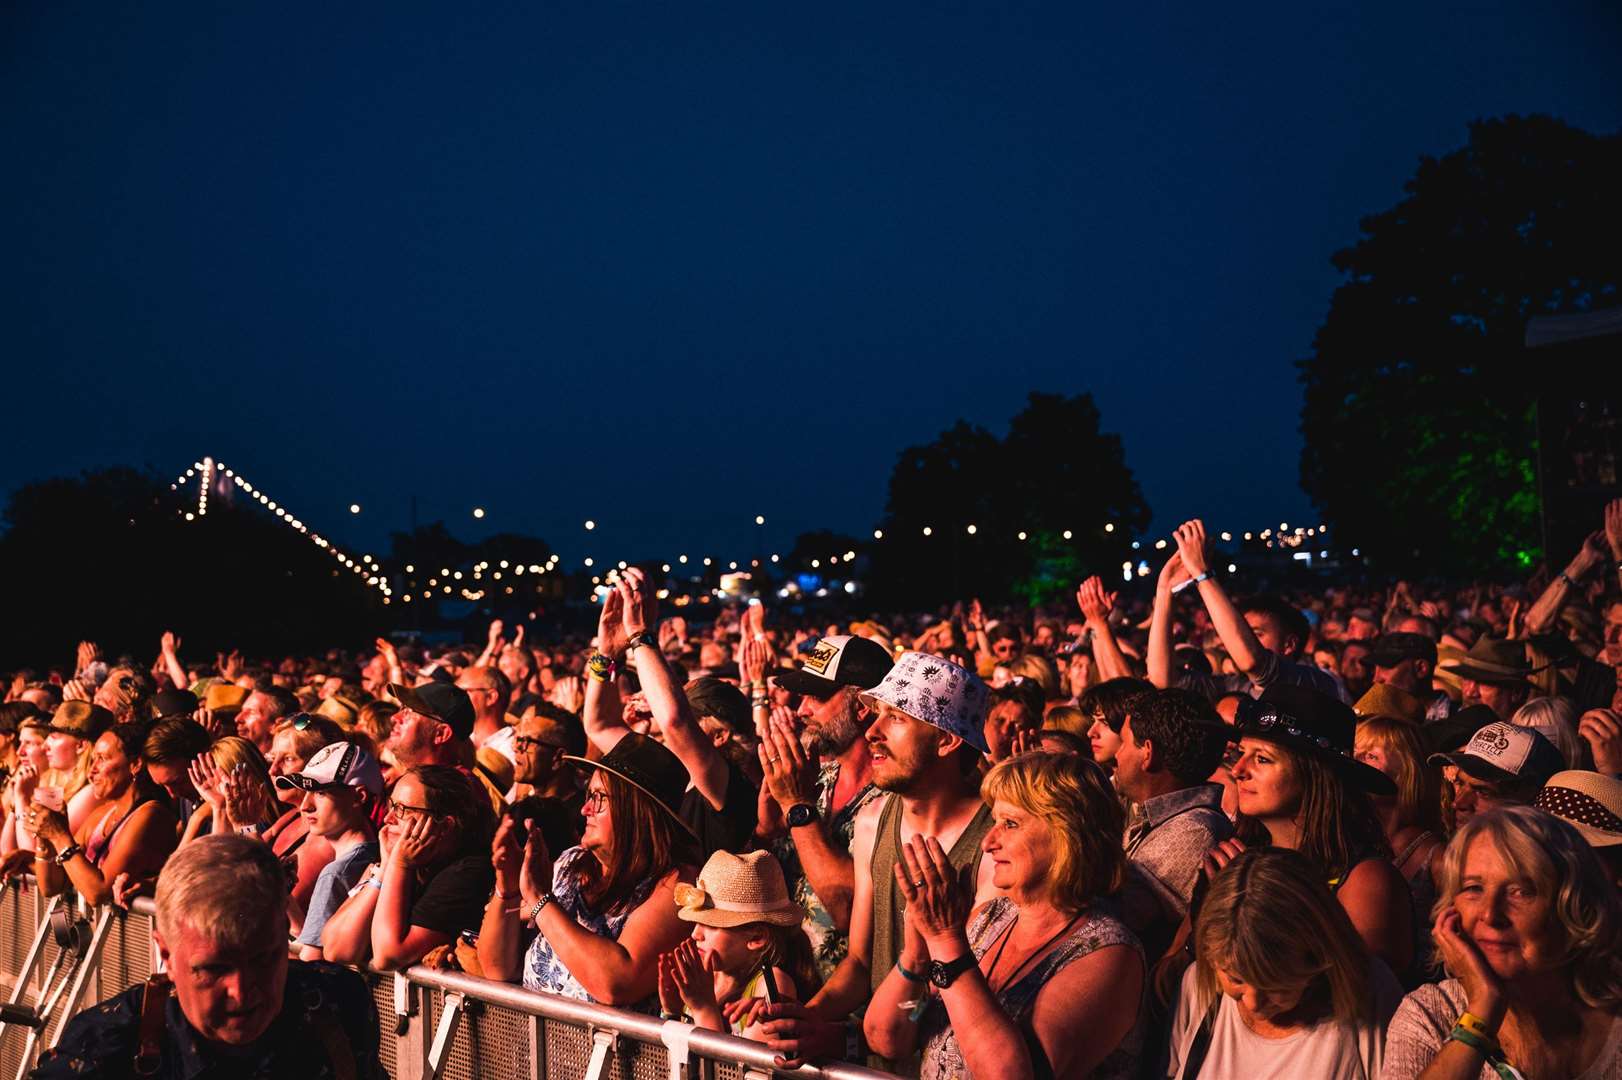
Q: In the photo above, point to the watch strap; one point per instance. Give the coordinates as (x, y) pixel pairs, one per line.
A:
(944, 975)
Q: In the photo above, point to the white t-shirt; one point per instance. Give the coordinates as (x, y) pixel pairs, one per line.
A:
(1327, 1051)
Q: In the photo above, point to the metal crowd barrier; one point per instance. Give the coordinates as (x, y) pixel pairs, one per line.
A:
(435, 1025)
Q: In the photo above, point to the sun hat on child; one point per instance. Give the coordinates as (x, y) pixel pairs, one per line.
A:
(736, 890)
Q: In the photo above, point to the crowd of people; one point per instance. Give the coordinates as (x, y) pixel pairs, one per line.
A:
(1357, 831)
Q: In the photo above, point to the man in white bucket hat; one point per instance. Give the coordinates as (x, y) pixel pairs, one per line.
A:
(926, 744)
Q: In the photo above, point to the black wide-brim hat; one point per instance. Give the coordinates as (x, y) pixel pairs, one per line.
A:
(1314, 724)
(646, 765)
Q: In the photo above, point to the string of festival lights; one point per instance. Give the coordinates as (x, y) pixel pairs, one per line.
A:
(475, 582)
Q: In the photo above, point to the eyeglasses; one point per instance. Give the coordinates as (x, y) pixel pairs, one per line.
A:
(401, 810)
(595, 802)
(526, 743)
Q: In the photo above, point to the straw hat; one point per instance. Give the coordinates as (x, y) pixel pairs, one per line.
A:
(340, 710)
(223, 695)
(1589, 801)
(735, 890)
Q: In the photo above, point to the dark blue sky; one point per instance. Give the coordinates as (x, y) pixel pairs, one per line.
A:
(669, 266)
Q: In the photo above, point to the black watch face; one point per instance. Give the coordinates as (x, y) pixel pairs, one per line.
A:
(801, 815)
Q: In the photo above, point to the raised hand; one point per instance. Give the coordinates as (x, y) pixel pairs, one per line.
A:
(417, 840)
(1602, 729)
(787, 773)
(696, 986)
(245, 797)
(611, 635)
(88, 653)
(1590, 555)
(507, 854)
(754, 658)
(1172, 575)
(493, 636)
(1191, 546)
(1096, 604)
(209, 780)
(975, 620)
(568, 693)
(938, 895)
(641, 606)
(535, 874)
(1613, 528)
(1483, 990)
(231, 664)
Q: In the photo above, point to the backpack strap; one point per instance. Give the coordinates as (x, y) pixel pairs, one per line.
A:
(149, 1043)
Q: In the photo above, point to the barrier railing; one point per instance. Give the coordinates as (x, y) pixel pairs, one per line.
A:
(435, 1025)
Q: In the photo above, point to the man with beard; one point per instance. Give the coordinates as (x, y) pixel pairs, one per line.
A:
(818, 782)
(925, 744)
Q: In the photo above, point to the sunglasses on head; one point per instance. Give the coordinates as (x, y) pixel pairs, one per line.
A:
(1272, 721)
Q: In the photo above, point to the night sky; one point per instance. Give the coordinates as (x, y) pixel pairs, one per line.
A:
(670, 266)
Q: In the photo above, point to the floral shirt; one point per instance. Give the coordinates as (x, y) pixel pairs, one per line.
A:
(829, 944)
(542, 968)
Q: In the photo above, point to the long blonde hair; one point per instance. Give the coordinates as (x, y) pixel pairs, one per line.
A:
(1419, 799)
(1553, 856)
(1270, 920)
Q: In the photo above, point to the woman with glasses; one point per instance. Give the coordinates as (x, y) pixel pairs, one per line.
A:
(433, 878)
(597, 920)
(295, 742)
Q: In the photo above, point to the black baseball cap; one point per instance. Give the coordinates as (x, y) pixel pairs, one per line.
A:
(445, 702)
(842, 660)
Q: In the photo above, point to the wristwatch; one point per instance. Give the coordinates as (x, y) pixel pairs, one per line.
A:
(644, 638)
(944, 975)
(66, 855)
(801, 814)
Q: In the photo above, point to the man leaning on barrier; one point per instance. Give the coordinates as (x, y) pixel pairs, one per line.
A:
(237, 1006)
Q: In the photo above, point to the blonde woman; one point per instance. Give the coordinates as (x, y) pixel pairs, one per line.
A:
(231, 772)
(1004, 990)
(1527, 925)
(1283, 985)
(1411, 818)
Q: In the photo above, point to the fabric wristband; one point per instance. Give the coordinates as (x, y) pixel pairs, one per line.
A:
(1476, 1026)
(1488, 1049)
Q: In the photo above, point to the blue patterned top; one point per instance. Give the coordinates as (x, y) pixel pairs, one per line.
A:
(542, 968)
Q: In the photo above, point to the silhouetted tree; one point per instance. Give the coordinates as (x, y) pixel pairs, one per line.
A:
(1419, 413)
(1056, 471)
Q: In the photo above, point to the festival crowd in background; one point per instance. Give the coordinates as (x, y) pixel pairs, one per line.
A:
(1354, 831)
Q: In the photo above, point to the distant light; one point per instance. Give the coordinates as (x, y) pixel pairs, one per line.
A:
(1283, 526)
(1160, 545)
(732, 566)
(681, 558)
(1227, 536)
(774, 558)
(878, 534)
(849, 555)
(457, 576)
(1022, 536)
(622, 564)
(1247, 536)
(972, 530)
(588, 561)
(191, 517)
(1233, 569)
(590, 525)
(707, 560)
(1354, 553)
(478, 511)
(666, 568)
(1136, 545)
(927, 530)
(354, 508)
(1068, 534)
(760, 519)
(815, 563)
(1109, 526)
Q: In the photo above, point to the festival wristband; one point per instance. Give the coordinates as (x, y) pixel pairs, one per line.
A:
(910, 976)
(1476, 1026)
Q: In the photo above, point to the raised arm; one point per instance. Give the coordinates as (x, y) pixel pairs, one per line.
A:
(1237, 636)
(1159, 660)
(1096, 605)
(602, 717)
(1543, 613)
(170, 654)
(682, 735)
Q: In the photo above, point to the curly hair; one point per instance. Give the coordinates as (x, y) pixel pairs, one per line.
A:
(1553, 856)
(1188, 734)
(1074, 798)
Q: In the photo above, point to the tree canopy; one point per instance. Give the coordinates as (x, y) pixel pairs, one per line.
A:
(1056, 471)
(1419, 416)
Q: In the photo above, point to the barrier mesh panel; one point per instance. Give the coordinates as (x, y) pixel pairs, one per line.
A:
(383, 996)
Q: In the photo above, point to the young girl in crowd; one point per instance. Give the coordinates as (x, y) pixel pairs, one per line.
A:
(1283, 986)
(746, 933)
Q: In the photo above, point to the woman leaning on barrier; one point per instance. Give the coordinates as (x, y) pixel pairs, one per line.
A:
(131, 831)
(604, 912)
